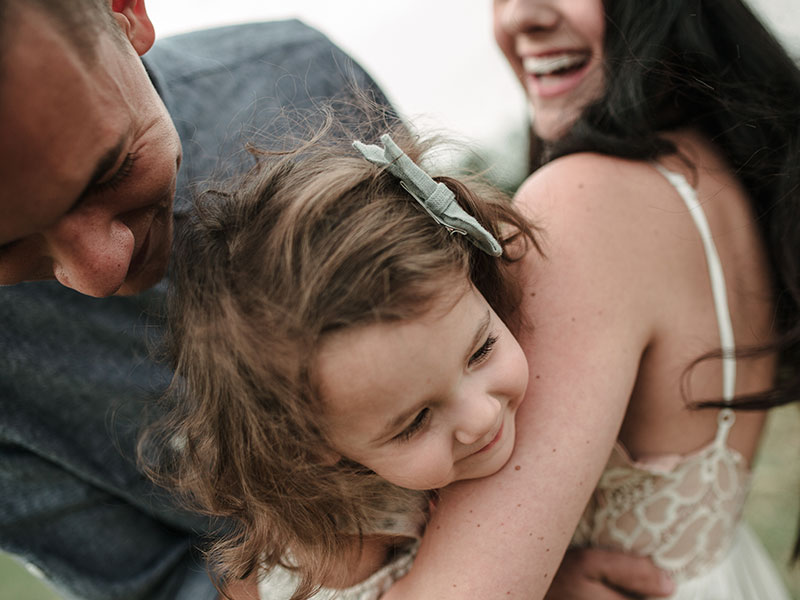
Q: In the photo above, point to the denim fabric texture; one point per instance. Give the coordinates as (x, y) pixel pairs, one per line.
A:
(76, 373)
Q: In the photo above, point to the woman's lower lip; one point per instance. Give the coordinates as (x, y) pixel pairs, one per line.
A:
(494, 440)
(549, 86)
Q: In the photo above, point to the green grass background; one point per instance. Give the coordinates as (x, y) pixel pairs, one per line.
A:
(772, 509)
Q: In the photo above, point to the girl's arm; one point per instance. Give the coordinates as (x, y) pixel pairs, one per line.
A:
(591, 303)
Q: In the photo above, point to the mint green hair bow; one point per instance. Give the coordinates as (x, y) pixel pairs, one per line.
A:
(436, 198)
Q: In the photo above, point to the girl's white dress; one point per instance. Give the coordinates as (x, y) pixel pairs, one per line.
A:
(682, 511)
(279, 583)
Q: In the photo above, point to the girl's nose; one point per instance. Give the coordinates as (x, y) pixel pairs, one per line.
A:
(477, 418)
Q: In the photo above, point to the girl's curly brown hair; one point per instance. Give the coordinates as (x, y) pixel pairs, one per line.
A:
(310, 241)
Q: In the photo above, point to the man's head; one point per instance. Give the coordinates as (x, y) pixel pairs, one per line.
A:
(88, 155)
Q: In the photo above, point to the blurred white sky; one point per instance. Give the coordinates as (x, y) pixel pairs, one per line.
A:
(436, 59)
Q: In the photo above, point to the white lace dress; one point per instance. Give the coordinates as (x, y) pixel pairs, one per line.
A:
(685, 511)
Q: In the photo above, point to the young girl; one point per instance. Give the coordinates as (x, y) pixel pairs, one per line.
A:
(338, 338)
(669, 201)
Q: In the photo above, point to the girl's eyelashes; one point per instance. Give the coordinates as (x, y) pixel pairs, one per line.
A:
(423, 417)
(415, 426)
(482, 353)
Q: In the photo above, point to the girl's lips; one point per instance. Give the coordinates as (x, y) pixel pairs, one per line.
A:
(494, 440)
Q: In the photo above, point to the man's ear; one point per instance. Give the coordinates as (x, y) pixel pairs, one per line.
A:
(131, 16)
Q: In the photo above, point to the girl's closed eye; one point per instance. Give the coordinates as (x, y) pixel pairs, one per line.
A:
(482, 353)
(417, 425)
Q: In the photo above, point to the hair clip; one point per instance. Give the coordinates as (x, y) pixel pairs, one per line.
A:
(437, 199)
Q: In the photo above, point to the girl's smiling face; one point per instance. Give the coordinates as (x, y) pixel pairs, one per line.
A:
(555, 48)
(427, 401)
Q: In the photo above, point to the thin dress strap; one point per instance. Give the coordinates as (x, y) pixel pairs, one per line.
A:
(727, 343)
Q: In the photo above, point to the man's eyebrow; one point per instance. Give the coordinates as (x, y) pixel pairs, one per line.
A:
(396, 421)
(104, 164)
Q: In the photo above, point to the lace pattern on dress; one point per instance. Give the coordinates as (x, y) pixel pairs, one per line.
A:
(683, 518)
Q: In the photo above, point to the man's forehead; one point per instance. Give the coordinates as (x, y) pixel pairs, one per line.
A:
(55, 121)
(45, 89)
(24, 23)
(78, 22)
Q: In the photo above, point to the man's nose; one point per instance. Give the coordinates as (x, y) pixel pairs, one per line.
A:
(478, 416)
(91, 251)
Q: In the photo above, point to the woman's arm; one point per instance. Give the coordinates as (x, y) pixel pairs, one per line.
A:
(591, 303)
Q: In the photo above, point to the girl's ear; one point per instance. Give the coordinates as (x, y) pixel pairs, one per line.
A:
(132, 18)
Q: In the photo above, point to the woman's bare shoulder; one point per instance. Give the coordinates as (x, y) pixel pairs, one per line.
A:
(604, 206)
(585, 179)
(607, 227)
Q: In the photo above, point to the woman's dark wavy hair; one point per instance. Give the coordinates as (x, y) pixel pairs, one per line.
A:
(712, 66)
(309, 242)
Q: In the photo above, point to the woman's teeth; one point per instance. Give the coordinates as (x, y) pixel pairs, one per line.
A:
(549, 65)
